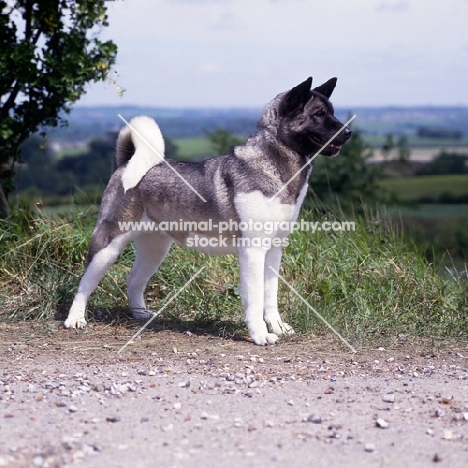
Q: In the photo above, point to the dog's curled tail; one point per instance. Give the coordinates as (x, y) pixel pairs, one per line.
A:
(140, 145)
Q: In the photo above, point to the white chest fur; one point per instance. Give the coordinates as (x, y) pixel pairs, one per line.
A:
(257, 209)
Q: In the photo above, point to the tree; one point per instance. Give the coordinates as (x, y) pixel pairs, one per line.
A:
(170, 149)
(349, 176)
(49, 51)
(223, 141)
(400, 146)
(388, 147)
(37, 160)
(89, 170)
(404, 152)
(445, 163)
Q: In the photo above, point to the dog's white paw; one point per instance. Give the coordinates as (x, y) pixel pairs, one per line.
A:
(278, 327)
(260, 335)
(75, 322)
(142, 314)
(264, 339)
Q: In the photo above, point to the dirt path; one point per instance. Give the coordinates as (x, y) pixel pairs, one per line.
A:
(180, 400)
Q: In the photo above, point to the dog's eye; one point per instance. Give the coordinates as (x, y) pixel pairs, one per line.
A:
(318, 113)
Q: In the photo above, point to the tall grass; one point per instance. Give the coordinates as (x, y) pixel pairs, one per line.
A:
(370, 283)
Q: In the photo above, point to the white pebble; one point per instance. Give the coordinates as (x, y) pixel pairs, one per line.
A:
(388, 398)
(38, 461)
(381, 423)
(369, 448)
(448, 435)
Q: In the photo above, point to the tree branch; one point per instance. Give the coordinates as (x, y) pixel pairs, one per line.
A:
(10, 102)
(28, 21)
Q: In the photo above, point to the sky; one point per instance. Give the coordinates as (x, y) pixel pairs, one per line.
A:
(242, 53)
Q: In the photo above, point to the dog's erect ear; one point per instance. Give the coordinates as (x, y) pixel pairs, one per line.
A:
(298, 96)
(327, 88)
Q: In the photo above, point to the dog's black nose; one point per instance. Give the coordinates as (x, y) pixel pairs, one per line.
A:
(347, 132)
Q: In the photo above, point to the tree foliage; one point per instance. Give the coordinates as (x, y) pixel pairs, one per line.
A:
(223, 141)
(396, 149)
(348, 177)
(49, 51)
(446, 163)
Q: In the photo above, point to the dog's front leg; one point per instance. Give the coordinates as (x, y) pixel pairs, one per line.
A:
(271, 314)
(252, 265)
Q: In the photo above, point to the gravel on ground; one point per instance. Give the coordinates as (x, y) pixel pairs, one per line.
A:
(174, 399)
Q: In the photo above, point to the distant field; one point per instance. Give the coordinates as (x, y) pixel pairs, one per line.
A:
(416, 142)
(431, 211)
(194, 147)
(72, 151)
(410, 188)
(191, 147)
(423, 153)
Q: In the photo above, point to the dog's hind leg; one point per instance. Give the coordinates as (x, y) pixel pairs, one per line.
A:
(270, 311)
(252, 264)
(151, 249)
(102, 256)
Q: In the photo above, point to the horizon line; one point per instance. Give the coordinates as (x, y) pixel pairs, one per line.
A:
(255, 108)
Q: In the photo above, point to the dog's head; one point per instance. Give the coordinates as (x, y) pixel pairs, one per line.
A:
(304, 119)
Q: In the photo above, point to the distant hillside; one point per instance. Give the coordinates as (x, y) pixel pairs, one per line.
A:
(423, 126)
(89, 122)
(86, 123)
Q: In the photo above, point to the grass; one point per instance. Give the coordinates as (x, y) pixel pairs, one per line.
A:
(411, 188)
(70, 211)
(371, 285)
(188, 148)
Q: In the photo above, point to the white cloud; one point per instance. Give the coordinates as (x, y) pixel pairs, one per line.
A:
(210, 67)
(398, 5)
